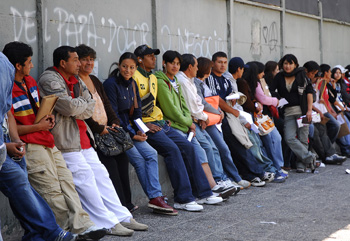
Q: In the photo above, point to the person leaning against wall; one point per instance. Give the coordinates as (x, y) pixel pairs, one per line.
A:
(74, 139)
(102, 119)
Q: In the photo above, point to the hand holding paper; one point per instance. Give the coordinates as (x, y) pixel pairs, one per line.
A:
(282, 102)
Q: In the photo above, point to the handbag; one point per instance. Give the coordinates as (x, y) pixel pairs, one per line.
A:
(264, 124)
(214, 102)
(114, 143)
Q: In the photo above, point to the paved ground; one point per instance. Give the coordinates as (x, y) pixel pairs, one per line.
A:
(305, 207)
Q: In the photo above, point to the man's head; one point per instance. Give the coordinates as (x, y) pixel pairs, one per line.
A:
(236, 67)
(220, 63)
(171, 62)
(66, 59)
(189, 65)
(311, 68)
(20, 55)
(146, 57)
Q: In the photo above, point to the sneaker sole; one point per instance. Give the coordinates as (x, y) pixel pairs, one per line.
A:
(227, 193)
(258, 184)
(154, 207)
(187, 209)
(93, 235)
(174, 213)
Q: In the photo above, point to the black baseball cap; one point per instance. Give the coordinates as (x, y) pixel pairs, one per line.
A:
(144, 49)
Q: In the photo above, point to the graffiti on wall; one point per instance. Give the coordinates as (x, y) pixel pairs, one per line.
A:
(73, 29)
(263, 37)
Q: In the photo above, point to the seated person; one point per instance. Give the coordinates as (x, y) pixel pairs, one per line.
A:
(121, 90)
(172, 104)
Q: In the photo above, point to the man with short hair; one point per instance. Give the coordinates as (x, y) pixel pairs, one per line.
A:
(47, 170)
(210, 138)
(245, 161)
(173, 147)
(31, 210)
(72, 138)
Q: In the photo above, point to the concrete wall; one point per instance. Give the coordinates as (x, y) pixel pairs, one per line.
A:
(250, 29)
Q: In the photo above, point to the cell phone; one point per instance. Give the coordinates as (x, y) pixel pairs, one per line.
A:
(305, 121)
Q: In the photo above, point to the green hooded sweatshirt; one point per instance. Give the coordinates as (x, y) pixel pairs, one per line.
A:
(172, 104)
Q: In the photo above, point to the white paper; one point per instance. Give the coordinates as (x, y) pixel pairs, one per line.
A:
(247, 116)
(233, 96)
(340, 119)
(254, 128)
(219, 127)
(142, 127)
(282, 102)
(190, 136)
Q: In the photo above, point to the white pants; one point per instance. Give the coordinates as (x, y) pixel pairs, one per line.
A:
(95, 189)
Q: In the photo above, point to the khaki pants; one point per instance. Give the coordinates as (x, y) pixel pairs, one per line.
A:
(50, 177)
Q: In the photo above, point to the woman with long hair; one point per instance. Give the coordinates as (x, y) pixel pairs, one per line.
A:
(123, 94)
(292, 84)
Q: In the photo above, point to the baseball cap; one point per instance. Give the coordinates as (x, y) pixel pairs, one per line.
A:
(144, 49)
(342, 69)
(236, 63)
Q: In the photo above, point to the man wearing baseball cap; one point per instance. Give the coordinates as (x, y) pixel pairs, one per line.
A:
(161, 136)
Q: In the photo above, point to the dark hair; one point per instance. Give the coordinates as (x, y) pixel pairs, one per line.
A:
(187, 60)
(290, 58)
(261, 66)
(347, 73)
(251, 76)
(17, 52)
(335, 70)
(170, 55)
(62, 53)
(324, 68)
(126, 55)
(270, 66)
(204, 66)
(218, 55)
(84, 51)
(311, 66)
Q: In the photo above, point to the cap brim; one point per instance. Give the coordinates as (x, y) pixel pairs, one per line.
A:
(152, 51)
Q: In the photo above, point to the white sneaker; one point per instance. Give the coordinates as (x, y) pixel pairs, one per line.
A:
(228, 183)
(284, 171)
(191, 206)
(210, 200)
(244, 184)
(268, 177)
(257, 182)
(218, 188)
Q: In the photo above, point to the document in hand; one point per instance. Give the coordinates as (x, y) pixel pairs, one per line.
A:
(46, 107)
(282, 102)
(142, 127)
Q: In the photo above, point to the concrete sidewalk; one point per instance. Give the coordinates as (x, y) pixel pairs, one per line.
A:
(305, 207)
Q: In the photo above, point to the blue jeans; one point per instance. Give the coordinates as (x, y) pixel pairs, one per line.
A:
(31, 210)
(256, 149)
(182, 162)
(225, 154)
(273, 146)
(212, 152)
(344, 142)
(243, 158)
(145, 161)
(333, 127)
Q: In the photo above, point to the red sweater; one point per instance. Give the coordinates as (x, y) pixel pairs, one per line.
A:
(24, 113)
